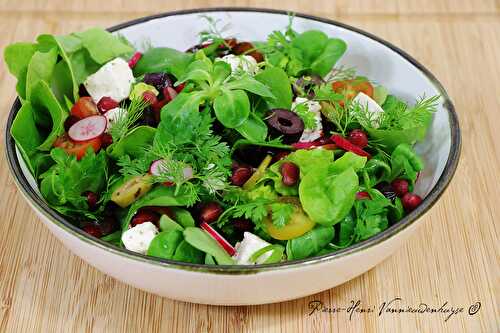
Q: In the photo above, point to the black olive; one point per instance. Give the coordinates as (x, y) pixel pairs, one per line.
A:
(287, 123)
(158, 80)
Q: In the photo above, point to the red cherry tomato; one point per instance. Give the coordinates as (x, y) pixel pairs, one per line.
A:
(84, 107)
(350, 88)
(77, 149)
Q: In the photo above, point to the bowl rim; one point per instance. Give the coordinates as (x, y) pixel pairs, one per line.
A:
(408, 220)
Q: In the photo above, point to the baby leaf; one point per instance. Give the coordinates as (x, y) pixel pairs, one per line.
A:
(203, 242)
(232, 108)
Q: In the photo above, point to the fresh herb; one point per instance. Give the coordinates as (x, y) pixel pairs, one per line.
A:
(126, 121)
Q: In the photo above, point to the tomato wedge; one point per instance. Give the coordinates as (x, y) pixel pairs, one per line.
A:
(77, 149)
(84, 107)
(350, 88)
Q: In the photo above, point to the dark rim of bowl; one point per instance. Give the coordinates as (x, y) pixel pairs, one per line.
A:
(427, 203)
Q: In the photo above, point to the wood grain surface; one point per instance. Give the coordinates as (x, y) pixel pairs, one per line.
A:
(453, 258)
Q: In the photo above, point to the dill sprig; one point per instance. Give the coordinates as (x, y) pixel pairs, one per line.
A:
(125, 121)
(340, 74)
(213, 31)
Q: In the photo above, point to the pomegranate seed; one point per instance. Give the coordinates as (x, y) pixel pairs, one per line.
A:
(144, 215)
(108, 225)
(92, 199)
(362, 195)
(106, 140)
(70, 121)
(358, 138)
(157, 108)
(149, 97)
(240, 175)
(210, 212)
(93, 230)
(168, 184)
(243, 225)
(400, 187)
(106, 104)
(180, 88)
(135, 59)
(290, 173)
(169, 93)
(411, 201)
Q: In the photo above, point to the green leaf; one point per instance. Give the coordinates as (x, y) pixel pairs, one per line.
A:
(328, 198)
(164, 244)
(250, 84)
(102, 45)
(163, 59)
(167, 224)
(187, 253)
(332, 52)
(311, 43)
(253, 129)
(279, 84)
(309, 243)
(201, 240)
(40, 68)
(232, 108)
(44, 101)
(183, 217)
(17, 57)
(134, 143)
(348, 160)
(82, 65)
(221, 70)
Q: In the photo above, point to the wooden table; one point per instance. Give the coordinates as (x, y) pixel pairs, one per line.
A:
(454, 257)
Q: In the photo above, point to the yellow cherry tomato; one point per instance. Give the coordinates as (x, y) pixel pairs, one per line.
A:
(298, 225)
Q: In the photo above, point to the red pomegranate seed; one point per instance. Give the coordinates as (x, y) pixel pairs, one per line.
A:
(92, 199)
(240, 175)
(106, 104)
(149, 97)
(411, 201)
(362, 195)
(290, 173)
(144, 215)
(344, 144)
(358, 138)
(279, 156)
(210, 212)
(93, 230)
(135, 59)
(180, 88)
(400, 187)
(169, 93)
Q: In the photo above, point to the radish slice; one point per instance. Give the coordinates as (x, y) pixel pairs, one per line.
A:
(159, 166)
(215, 235)
(88, 128)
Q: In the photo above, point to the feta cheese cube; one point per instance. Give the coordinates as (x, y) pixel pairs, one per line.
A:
(241, 63)
(138, 238)
(371, 106)
(310, 134)
(248, 246)
(114, 80)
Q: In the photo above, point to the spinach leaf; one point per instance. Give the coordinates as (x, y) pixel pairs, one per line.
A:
(279, 84)
(248, 83)
(332, 52)
(405, 163)
(167, 224)
(327, 198)
(102, 45)
(348, 160)
(82, 65)
(163, 59)
(134, 143)
(40, 68)
(310, 243)
(232, 108)
(346, 231)
(253, 129)
(183, 217)
(187, 253)
(165, 243)
(44, 101)
(201, 240)
(17, 57)
(311, 43)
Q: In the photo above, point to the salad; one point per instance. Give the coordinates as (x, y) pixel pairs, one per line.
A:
(232, 152)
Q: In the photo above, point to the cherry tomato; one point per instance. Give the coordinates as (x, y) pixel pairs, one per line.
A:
(350, 88)
(298, 225)
(84, 107)
(77, 149)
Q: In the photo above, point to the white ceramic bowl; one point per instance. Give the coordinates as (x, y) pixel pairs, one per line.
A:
(241, 285)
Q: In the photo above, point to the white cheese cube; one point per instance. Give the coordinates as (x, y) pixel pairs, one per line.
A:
(114, 115)
(248, 246)
(138, 238)
(241, 63)
(310, 134)
(371, 106)
(114, 80)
